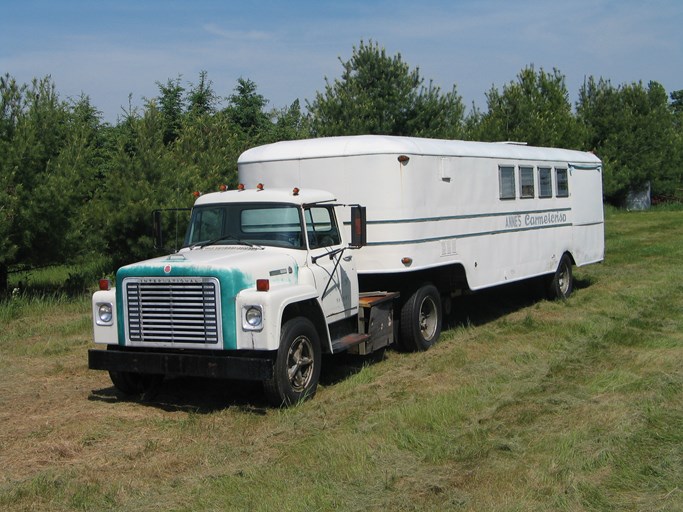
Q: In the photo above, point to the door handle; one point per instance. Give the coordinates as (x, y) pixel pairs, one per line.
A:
(348, 258)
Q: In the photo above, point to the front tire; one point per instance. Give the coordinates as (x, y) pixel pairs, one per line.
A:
(131, 383)
(421, 319)
(297, 366)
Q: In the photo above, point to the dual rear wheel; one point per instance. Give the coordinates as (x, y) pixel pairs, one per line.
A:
(296, 370)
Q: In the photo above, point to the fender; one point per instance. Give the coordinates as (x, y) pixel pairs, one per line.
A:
(272, 304)
(105, 332)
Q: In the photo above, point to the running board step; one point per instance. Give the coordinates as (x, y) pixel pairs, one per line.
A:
(348, 341)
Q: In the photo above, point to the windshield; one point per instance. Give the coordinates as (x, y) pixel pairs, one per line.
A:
(253, 223)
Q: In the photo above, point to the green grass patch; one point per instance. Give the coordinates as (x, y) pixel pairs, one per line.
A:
(58, 280)
(524, 405)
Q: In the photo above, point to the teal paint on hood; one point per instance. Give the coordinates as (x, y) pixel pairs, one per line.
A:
(232, 281)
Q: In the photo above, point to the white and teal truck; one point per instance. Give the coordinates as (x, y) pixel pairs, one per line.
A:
(345, 244)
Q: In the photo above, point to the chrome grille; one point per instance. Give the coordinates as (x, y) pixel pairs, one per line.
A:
(177, 310)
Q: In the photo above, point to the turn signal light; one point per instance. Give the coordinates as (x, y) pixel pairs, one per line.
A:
(105, 284)
(262, 285)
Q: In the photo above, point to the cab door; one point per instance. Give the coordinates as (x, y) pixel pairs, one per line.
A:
(332, 263)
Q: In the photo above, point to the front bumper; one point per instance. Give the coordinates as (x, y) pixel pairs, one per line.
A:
(180, 363)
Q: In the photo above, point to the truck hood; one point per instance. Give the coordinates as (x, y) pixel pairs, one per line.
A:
(235, 267)
(241, 266)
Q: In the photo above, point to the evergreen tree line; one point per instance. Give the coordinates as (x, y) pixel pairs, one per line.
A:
(74, 188)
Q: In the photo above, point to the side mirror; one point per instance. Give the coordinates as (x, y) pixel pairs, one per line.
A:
(358, 227)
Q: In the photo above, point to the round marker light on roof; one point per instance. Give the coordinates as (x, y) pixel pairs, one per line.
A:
(295, 191)
(407, 261)
(240, 187)
(196, 194)
(223, 188)
(403, 159)
(259, 186)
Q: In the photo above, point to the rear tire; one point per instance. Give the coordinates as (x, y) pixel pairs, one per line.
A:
(421, 318)
(561, 284)
(296, 371)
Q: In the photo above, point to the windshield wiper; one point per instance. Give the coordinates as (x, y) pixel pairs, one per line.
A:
(220, 239)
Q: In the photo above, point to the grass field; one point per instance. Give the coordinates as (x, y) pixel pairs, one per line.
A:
(524, 405)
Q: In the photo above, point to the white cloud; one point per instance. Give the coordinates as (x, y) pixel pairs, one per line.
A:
(237, 35)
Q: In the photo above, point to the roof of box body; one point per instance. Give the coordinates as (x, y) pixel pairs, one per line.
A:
(329, 147)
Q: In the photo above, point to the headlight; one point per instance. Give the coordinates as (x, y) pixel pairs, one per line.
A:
(104, 314)
(253, 318)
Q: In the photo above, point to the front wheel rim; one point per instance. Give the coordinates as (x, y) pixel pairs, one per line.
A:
(300, 364)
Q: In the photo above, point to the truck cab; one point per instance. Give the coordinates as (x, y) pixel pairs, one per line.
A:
(263, 286)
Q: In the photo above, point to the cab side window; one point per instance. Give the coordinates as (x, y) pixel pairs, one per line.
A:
(321, 228)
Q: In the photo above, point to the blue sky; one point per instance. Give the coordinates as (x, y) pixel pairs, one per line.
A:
(109, 49)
